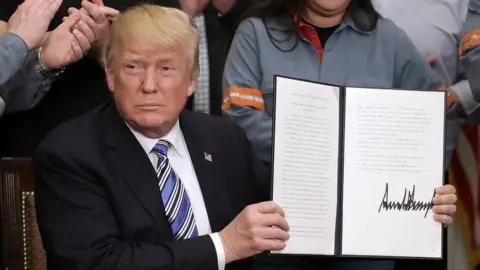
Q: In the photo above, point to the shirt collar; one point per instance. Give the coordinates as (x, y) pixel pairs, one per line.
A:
(174, 136)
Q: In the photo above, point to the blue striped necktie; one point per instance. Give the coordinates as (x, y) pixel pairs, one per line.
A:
(175, 199)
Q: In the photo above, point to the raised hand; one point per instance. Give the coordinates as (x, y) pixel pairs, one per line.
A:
(67, 45)
(31, 19)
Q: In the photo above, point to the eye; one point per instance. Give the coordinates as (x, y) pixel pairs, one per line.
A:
(131, 66)
(167, 68)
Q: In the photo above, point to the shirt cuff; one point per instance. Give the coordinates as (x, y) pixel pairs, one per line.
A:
(217, 242)
(464, 94)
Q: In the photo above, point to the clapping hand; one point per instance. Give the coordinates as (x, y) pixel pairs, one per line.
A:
(31, 19)
(97, 17)
(66, 44)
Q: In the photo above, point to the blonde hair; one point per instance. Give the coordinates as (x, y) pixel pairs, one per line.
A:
(157, 26)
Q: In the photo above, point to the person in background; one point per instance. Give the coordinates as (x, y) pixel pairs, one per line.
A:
(25, 77)
(216, 21)
(338, 42)
(436, 37)
(141, 184)
(469, 53)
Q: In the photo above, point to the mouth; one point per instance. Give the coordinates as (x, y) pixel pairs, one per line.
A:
(148, 106)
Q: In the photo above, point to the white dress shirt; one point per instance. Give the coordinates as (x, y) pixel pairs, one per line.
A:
(181, 163)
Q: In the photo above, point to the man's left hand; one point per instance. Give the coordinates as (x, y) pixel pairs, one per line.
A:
(66, 45)
(444, 204)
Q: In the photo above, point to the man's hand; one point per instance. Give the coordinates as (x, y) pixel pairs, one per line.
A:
(444, 201)
(31, 19)
(66, 45)
(259, 227)
(193, 7)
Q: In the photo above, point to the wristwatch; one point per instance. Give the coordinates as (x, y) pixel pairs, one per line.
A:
(49, 74)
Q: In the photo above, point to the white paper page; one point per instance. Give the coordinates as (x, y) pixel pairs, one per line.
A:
(305, 174)
(393, 138)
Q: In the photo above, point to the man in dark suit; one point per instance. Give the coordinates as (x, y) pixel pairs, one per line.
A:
(138, 184)
(82, 86)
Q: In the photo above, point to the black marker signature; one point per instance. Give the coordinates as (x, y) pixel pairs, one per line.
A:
(407, 204)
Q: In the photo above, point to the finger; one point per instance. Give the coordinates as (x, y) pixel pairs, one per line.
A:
(109, 12)
(269, 244)
(274, 219)
(82, 41)
(430, 59)
(86, 31)
(444, 219)
(82, 11)
(37, 5)
(94, 12)
(112, 19)
(53, 8)
(90, 22)
(444, 209)
(64, 18)
(270, 233)
(446, 189)
(76, 50)
(269, 207)
(71, 21)
(445, 199)
(98, 2)
(72, 10)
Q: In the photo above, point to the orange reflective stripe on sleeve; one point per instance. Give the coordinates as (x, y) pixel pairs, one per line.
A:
(451, 96)
(471, 38)
(243, 97)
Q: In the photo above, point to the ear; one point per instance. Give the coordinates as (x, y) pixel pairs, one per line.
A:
(191, 88)
(110, 77)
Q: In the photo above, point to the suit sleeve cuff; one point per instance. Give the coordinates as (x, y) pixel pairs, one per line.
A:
(217, 242)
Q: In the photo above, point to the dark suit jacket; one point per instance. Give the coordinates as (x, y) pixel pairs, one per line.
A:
(98, 202)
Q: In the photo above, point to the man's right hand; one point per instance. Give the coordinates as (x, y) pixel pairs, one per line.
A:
(259, 227)
(31, 19)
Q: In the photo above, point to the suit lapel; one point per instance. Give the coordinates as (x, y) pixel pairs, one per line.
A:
(208, 172)
(128, 159)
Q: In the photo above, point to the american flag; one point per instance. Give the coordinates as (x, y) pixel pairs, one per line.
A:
(208, 157)
(465, 176)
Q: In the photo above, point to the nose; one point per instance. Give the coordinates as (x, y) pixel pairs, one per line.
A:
(149, 82)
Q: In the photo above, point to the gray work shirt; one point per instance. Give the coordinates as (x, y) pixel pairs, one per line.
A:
(434, 26)
(470, 57)
(21, 86)
(382, 58)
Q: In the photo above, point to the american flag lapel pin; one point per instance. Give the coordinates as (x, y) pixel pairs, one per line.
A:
(208, 157)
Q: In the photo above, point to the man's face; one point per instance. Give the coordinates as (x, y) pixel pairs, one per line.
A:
(150, 85)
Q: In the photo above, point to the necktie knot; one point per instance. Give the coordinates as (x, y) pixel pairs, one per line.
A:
(162, 147)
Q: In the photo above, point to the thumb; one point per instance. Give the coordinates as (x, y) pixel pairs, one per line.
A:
(71, 20)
